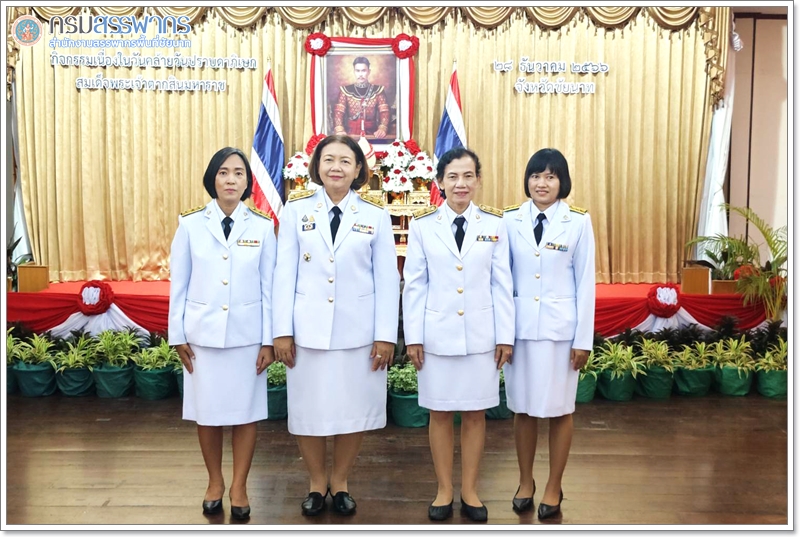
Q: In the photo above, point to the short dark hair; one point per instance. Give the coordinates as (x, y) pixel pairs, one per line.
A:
(553, 160)
(210, 177)
(364, 172)
(361, 59)
(455, 154)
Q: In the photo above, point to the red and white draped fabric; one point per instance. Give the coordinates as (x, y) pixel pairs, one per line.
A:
(666, 307)
(268, 155)
(94, 310)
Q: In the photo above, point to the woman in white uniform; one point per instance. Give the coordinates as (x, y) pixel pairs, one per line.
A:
(458, 320)
(336, 303)
(221, 266)
(552, 261)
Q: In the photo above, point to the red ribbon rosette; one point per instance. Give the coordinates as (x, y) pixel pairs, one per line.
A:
(412, 146)
(667, 304)
(318, 44)
(96, 297)
(312, 143)
(404, 46)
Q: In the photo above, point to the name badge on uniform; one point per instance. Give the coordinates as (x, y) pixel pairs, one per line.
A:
(363, 228)
(248, 242)
(487, 238)
(309, 226)
(559, 247)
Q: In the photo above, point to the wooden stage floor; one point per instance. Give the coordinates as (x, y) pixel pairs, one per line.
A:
(712, 460)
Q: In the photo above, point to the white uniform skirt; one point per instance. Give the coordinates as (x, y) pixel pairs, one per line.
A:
(469, 382)
(224, 388)
(540, 380)
(335, 392)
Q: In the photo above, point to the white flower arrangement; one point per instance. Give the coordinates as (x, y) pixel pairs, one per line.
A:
(297, 167)
(402, 163)
(421, 167)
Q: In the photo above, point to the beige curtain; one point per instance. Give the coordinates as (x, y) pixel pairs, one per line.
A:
(105, 173)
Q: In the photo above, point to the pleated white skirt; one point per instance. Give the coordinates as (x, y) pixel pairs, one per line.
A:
(540, 381)
(335, 392)
(451, 383)
(224, 388)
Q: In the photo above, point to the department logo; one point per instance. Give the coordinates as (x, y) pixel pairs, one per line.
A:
(27, 30)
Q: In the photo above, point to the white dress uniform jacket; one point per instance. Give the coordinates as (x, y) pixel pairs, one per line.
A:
(554, 282)
(340, 295)
(458, 303)
(221, 290)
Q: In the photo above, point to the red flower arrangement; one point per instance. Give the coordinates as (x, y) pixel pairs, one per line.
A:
(663, 305)
(96, 298)
(318, 44)
(412, 146)
(312, 143)
(745, 271)
(404, 46)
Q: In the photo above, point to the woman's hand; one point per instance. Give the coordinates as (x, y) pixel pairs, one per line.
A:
(578, 358)
(415, 355)
(502, 355)
(382, 355)
(186, 355)
(284, 350)
(265, 358)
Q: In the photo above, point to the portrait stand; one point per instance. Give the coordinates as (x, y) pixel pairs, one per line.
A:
(390, 86)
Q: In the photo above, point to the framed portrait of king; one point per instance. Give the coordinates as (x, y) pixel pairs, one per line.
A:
(360, 87)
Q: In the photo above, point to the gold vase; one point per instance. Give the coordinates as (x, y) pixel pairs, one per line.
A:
(299, 183)
(420, 185)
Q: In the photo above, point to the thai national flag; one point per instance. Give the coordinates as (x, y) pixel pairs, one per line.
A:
(451, 130)
(267, 157)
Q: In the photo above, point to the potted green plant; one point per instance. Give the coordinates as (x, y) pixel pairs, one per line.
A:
(771, 371)
(501, 411)
(13, 355)
(113, 374)
(74, 366)
(153, 375)
(694, 371)
(404, 396)
(766, 283)
(276, 392)
(726, 254)
(620, 367)
(34, 370)
(587, 380)
(734, 373)
(659, 364)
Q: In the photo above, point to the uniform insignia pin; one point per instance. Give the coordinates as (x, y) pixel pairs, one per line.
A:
(307, 256)
(305, 218)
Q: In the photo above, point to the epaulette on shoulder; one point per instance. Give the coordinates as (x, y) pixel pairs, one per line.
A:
(491, 210)
(511, 208)
(261, 213)
(300, 194)
(580, 210)
(193, 210)
(377, 201)
(430, 209)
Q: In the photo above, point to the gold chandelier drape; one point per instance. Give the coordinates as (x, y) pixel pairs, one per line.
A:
(105, 173)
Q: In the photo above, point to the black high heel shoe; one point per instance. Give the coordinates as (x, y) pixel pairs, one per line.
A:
(314, 503)
(440, 512)
(520, 505)
(476, 514)
(240, 513)
(549, 511)
(212, 507)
